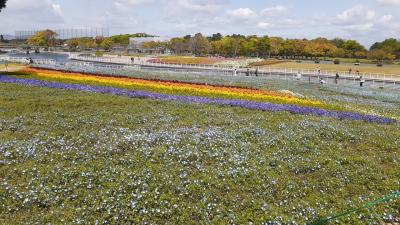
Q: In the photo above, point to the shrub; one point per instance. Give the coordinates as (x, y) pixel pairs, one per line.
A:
(99, 54)
(336, 61)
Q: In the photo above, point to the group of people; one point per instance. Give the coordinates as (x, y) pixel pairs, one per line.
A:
(248, 72)
(30, 60)
(337, 77)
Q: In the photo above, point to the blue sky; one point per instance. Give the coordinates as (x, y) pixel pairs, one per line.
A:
(365, 20)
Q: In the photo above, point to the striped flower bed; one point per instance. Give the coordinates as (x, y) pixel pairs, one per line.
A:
(263, 106)
(181, 88)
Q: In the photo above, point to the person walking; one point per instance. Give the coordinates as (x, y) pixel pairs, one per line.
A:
(248, 72)
(235, 72)
(298, 76)
(337, 78)
(256, 72)
(362, 81)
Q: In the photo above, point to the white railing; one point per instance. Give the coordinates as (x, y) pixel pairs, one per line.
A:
(269, 70)
(23, 60)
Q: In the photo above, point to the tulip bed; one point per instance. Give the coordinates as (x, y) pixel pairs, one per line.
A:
(99, 152)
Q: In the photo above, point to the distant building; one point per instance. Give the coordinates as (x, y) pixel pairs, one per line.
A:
(66, 34)
(136, 45)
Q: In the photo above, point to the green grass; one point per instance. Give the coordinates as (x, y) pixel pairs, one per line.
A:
(69, 157)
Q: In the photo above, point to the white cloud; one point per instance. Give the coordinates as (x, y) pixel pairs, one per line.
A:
(386, 19)
(274, 11)
(264, 25)
(242, 14)
(200, 5)
(30, 14)
(363, 23)
(279, 24)
(357, 15)
(134, 2)
(389, 2)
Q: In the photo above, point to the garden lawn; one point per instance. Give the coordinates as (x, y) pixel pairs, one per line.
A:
(78, 157)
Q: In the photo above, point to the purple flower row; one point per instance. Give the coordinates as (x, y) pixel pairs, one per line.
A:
(303, 110)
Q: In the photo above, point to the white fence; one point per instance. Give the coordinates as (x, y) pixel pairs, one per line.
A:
(23, 60)
(270, 70)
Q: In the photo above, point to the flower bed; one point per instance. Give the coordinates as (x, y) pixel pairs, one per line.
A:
(174, 87)
(303, 110)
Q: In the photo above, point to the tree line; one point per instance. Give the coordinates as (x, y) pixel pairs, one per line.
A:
(255, 46)
(49, 38)
(237, 45)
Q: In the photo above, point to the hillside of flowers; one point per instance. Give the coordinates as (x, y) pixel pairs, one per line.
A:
(90, 148)
(189, 92)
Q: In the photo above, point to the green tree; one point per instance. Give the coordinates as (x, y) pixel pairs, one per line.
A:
(249, 46)
(351, 47)
(178, 45)
(199, 44)
(380, 55)
(320, 48)
(107, 44)
(216, 37)
(234, 44)
(263, 46)
(289, 48)
(277, 45)
(46, 38)
(361, 54)
(83, 43)
(2, 4)
(338, 42)
(390, 45)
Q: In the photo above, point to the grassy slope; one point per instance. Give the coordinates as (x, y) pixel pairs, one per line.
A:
(107, 158)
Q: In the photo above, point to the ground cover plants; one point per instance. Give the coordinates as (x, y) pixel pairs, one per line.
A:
(72, 156)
